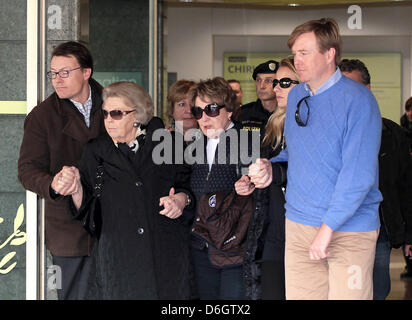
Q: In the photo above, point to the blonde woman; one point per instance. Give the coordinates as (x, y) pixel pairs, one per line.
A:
(286, 78)
(266, 243)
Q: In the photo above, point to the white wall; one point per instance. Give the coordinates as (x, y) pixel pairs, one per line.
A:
(198, 36)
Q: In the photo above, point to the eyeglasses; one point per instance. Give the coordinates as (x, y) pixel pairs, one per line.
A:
(61, 73)
(284, 82)
(212, 110)
(297, 113)
(116, 114)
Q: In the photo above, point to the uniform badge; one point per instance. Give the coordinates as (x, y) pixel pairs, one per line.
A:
(212, 201)
(272, 66)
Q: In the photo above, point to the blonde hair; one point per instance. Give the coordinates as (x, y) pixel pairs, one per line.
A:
(276, 122)
(134, 96)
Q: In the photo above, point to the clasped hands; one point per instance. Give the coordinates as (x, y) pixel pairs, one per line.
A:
(67, 181)
(261, 176)
(173, 204)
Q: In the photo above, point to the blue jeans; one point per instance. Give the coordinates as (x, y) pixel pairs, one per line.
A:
(216, 283)
(381, 275)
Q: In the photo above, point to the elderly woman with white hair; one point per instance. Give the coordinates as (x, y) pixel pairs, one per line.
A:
(142, 250)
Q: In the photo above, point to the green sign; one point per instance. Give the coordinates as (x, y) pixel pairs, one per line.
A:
(106, 78)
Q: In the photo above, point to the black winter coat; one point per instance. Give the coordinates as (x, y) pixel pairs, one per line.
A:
(140, 254)
(266, 235)
(222, 176)
(395, 184)
(253, 116)
(405, 124)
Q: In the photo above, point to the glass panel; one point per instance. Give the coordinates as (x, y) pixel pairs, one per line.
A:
(119, 41)
(118, 35)
(12, 113)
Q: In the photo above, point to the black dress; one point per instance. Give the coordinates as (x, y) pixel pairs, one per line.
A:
(140, 254)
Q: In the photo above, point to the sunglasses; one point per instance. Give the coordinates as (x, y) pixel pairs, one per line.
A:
(302, 122)
(116, 114)
(212, 110)
(284, 82)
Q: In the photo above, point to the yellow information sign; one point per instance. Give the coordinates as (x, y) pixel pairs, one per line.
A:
(385, 70)
(240, 66)
(13, 107)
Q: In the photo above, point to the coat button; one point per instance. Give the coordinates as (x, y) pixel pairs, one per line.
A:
(139, 184)
(140, 231)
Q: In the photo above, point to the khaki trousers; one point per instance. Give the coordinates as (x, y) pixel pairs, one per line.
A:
(347, 274)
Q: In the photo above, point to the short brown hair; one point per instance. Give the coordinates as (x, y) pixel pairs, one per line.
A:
(178, 91)
(77, 50)
(327, 34)
(217, 90)
(134, 96)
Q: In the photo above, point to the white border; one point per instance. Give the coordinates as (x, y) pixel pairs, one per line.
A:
(31, 198)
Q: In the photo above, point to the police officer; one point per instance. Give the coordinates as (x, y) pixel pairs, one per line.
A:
(255, 115)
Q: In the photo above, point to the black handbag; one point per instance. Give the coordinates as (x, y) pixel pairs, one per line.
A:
(92, 220)
(90, 214)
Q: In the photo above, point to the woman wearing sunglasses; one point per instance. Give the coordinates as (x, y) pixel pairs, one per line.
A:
(266, 244)
(213, 102)
(142, 251)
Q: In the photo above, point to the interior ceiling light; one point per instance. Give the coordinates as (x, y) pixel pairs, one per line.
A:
(293, 4)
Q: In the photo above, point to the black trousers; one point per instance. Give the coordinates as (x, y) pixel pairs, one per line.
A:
(74, 277)
(215, 283)
(273, 280)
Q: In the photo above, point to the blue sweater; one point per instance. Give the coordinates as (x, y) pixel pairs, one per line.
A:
(333, 161)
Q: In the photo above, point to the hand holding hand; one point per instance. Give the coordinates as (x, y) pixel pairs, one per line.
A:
(244, 187)
(260, 173)
(67, 181)
(173, 204)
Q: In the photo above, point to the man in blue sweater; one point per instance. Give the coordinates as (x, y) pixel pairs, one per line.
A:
(332, 132)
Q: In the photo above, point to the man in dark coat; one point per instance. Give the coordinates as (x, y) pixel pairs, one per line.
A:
(395, 184)
(406, 123)
(254, 115)
(54, 135)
